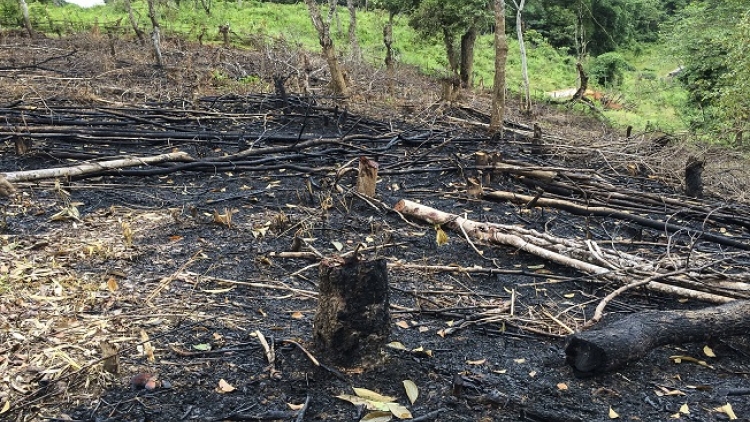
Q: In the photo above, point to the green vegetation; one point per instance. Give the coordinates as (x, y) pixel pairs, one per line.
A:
(634, 76)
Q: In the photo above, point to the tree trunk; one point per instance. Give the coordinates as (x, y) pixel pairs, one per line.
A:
(450, 51)
(468, 40)
(338, 82)
(501, 55)
(388, 41)
(526, 106)
(134, 23)
(605, 349)
(156, 35)
(352, 321)
(26, 21)
(356, 52)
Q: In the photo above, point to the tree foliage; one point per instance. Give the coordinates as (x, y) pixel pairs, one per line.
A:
(710, 38)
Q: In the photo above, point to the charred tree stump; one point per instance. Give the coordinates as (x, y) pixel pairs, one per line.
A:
(352, 321)
(482, 160)
(606, 349)
(368, 177)
(537, 143)
(694, 177)
(22, 145)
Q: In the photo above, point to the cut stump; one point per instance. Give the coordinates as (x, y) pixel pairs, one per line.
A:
(608, 348)
(352, 322)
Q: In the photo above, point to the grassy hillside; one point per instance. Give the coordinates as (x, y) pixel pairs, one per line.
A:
(649, 97)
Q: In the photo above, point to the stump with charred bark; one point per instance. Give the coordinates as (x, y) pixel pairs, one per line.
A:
(694, 177)
(352, 321)
(608, 348)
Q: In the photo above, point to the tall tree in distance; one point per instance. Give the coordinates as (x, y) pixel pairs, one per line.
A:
(501, 56)
(338, 82)
(353, 42)
(156, 34)
(457, 21)
(526, 106)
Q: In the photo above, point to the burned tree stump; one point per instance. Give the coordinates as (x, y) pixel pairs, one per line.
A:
(352, 321)
(537, 143)
(608, 348)
(368, 177)
(694, 177)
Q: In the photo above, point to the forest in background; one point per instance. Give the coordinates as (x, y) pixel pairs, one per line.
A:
(671, 65)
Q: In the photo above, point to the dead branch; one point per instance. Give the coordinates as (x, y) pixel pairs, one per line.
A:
(94, 167)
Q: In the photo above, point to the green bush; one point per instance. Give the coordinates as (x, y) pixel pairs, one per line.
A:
(608, 69)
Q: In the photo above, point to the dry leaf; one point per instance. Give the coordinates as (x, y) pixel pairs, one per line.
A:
(378, 416)
(684, 409)
(708, 352)
(371, 395)
(727, 409)
(613, 414)
(112, 284)
(396, 345)
(399, 411)
(224, 387)
(338, 245)
(403, 324)
(293, 406)
(562, 386)
(297, 315)
(6, 407)
(476, 362)
(441, 238)
(681, 358)
(411, 390)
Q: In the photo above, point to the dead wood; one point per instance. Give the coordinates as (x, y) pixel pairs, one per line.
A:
(352, 321)
(615, 344)
(585, 256)
(577, 209)
(27, 175)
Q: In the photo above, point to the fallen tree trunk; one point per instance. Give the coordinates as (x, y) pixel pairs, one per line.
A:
(27, 175)
(577, 209)
(583, 256)
(610, 347)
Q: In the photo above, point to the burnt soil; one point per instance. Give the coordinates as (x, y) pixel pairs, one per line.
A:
(154, 265)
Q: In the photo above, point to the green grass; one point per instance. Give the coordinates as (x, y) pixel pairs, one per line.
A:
(651, 99)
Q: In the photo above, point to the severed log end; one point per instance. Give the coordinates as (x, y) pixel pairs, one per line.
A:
(6, 188)
(615, 344)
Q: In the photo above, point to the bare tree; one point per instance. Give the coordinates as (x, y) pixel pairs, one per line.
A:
(356, 52)
(338, 82)
(134, 23)
(501, 56)
(526, 106)
(156, 35)
(26, 21)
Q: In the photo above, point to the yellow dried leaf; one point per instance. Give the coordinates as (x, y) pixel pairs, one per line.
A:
(338, 245)
(399, 411)
(403, 324)
(378, 416)
(569, 295)
(532, 374)
(519, 361)
(293, 406)
(297, 315)
(727, 409)
(411, 390)
(224, 387)
(613, 414)
(112, 284)
(562, 386)
(371, 395)
(708, 352)
(476, 362)
(441, 238)
(6, 407)
(396, 345)
(684, 409)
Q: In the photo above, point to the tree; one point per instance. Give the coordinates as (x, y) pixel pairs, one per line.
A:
(524, 65)
(353, 43)
(156, 34)
(338, 82)
(25, 13)
(501, 55)
(708, 37)
(457, 22)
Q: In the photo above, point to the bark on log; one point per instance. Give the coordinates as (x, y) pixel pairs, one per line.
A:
(24, 176)
(368, 177)
(610, 347)
(352, 321)
(694, 178)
